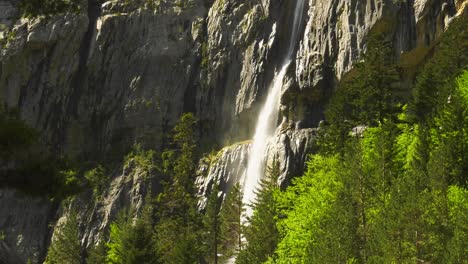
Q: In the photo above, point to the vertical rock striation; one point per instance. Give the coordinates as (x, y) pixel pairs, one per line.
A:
(24, 226)
(335, 37)
(289, 147)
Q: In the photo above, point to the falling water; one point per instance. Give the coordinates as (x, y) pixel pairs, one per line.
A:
(268, 117)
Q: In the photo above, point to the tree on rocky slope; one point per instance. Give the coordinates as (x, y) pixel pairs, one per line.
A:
(65, 247)
(231, 215)
(179, 222)
(369, 95)
(211, 226)
(261, 233)
(97, 254)
(33, 8)
(132, 241)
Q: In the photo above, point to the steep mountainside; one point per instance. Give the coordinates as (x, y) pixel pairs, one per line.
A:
(115, 73)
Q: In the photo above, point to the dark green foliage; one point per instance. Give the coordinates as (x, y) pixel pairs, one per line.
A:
(435, 82)
(65, 247)
(212, 225)
(231, 215)
(372, 94)
(175, 232)
(35, 174)
(261, 232)
(178, 160)
(48, 177)
(179, 223)
(450, 133)
(132, 241)
(397, 192)
(97, 254)
(15, 135)
(33, 8)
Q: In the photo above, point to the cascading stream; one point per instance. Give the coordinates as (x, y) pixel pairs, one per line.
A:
(267, 120)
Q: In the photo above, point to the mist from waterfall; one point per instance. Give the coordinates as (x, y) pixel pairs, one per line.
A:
(268, 118)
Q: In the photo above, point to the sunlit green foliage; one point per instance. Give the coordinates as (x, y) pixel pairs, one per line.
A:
(98, 179)
(395, 192)
(457, 248)
(306, 207)
(141, 158)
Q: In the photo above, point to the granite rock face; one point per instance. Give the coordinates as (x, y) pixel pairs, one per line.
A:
(24, 226)
(288, 147)
(110, 77)
(121, 72)
(7, 255)
(8, 15)
(335, 38)
(97, 81)
(127, 190)
(225, 169)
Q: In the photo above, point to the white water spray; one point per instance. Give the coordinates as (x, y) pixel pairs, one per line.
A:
(268, 118)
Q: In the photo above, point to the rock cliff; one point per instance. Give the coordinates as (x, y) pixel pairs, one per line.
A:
(96, 81)
(24, 226)
(228, 166)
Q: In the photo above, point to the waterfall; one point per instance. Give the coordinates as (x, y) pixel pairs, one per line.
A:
(267, 120)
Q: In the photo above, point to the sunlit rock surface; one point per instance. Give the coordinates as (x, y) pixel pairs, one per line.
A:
(228, 167)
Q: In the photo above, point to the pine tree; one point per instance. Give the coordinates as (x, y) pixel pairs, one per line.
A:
(397, 192)
(457, 247)
(179, 226)
(433, 84)
(65, 247)
(231, 215)
(369, 96)
(261, 232)
(211, 224)
(316, 223)
(133, 241)
(373, 93)
(97, 254)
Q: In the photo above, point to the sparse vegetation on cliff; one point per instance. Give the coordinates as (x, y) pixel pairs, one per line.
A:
(34, 8)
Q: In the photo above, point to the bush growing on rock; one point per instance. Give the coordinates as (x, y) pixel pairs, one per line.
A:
(33, 8)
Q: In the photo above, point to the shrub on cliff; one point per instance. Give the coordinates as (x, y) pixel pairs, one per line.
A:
(33, 8)
(65, 247)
